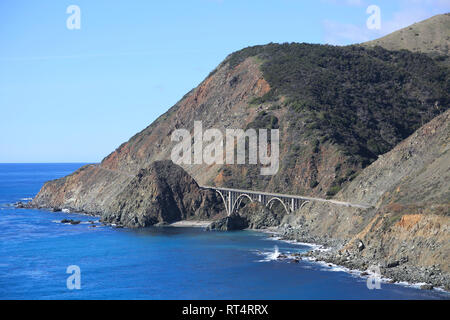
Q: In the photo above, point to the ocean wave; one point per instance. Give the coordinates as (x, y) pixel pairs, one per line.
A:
(89, 222)
(331, 267)
(269, 255)
(295, 242)
(327, 266)
(275, 238)
(417, 285)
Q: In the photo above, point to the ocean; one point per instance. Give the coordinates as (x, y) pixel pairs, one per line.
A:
(36, 250)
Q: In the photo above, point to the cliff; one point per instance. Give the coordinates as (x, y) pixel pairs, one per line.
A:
(337, 109)
(343, 114)
(409, 225)
(160, 193)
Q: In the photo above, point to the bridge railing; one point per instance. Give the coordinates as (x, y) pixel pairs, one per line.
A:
(288, 196)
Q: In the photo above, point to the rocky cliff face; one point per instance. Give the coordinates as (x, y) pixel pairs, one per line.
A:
(90, 189)
(254, 215)
(409, 225)
(219, 101)
(410, 188)
(162, 193)
(338, 110)
(159, 193)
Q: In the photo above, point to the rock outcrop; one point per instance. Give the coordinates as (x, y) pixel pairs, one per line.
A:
(160, 193)
(408, 229)
(252, 216)
(233, 222)
(343, 114)
(260, 217)
(337, 109)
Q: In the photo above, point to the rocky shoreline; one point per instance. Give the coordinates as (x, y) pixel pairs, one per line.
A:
(405, 232)
(381, 142)
(330, 251)
(323, 250)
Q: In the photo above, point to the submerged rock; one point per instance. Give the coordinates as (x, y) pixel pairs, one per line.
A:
(19, 205)
(70, 221)
(22, 205)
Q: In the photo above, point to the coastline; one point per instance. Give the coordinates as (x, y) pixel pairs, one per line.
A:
(326, 253)
(329, 256)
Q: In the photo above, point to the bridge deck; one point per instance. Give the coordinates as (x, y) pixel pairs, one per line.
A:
(289, 196)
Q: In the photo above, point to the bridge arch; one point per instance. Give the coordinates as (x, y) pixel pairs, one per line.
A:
(224, 201)
(279, 199)
(230, 198)
(303, 204)
(238, 200)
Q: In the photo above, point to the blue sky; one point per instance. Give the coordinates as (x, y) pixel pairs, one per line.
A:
(76, 95)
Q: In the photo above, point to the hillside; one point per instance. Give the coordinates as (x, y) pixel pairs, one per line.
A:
(337, 108)
(409, 188)
(431, 36)
(343, 114)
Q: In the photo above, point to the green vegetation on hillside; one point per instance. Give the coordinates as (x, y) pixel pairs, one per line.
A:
(365, 100)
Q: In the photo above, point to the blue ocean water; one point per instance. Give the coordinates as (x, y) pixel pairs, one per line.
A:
(154, 263)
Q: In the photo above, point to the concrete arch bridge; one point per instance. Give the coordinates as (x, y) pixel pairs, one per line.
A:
(232, 199)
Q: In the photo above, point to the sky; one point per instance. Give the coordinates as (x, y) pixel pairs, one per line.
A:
(75, 94)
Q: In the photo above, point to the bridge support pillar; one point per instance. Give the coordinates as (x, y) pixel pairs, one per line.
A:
(232, 199)
(230, 203)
